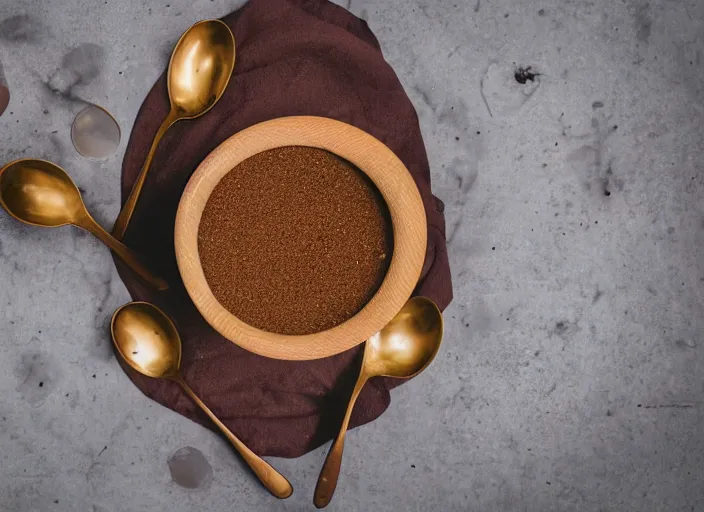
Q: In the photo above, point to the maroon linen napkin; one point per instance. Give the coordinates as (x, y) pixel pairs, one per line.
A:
(294, 57)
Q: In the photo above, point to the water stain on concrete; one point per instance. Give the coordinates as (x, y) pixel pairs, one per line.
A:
(564, 329)
(591, 159)
(37, 376)
(644, 23)
(478, 318)
(21, 29)
(686, 344)
(86, 61)
(505, 88)
(80, 66)
(464, 172)
(425, 97)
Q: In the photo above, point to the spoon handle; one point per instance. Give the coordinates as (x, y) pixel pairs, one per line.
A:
(123, 219)
(125, 254)
(327, 481)
(274, 481)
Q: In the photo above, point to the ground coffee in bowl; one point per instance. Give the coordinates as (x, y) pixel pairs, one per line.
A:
(295, 240)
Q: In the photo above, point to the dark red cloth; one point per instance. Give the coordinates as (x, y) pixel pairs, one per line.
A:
(294, 57)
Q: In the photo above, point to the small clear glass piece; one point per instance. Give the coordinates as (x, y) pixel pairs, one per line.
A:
(95, 133)
(190, 469)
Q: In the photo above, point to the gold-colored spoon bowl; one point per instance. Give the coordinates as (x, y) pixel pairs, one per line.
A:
(41, 193)
(148, 341)
(200, 68)
(408, 344)
(402, 349)
(37, 192)
(199, 71)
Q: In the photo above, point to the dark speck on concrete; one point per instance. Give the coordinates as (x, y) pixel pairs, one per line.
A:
(522, 75)
(541, 12)
(597, 295)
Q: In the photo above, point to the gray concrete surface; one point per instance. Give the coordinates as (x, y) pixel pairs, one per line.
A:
(572, 373)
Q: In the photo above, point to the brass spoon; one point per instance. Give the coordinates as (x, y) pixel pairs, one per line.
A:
(40, 193)
(200, 69)
(402, 349)
(148, 341)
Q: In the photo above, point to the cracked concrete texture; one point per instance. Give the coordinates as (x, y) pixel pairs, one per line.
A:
(572, 373)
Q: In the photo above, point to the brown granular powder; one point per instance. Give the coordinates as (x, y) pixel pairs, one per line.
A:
(295, 240)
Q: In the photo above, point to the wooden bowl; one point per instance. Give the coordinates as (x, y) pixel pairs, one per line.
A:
(370, 155)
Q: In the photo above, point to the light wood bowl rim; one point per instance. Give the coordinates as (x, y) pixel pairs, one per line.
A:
(370, 155)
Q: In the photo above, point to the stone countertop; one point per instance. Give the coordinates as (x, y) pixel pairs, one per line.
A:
(572, 372)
